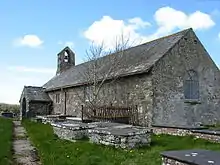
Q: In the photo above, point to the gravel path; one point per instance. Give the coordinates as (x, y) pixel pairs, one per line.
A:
(24, 152)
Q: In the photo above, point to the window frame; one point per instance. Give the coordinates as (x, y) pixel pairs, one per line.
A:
(191, 87)
(57, 98)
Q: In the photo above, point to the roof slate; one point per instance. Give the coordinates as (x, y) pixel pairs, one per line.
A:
(33, 93)
(134, 60)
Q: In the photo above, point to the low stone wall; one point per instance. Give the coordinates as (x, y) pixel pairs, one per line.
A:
(171, 131)
(168, 161)
(210, 135)
(114, 134)
(71, 132)
(121, 138)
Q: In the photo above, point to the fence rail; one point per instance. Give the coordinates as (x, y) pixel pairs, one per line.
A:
(128, 115)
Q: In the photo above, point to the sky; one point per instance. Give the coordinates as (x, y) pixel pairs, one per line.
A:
(33, 32)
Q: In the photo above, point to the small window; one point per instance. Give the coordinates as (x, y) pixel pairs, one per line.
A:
(66, 57)
(88, 93)
(58, 98)
(191, 86)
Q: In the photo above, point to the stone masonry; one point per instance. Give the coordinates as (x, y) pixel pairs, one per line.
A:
(170, 106)
(112, 134)
(122, 137)
(211, 135)
(71, 132)
(135, 90)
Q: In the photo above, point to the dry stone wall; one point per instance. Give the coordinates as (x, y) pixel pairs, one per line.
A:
(210, 135)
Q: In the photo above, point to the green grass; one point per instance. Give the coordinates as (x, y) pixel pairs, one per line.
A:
(6, 129)
(54, 151)
(213, 127)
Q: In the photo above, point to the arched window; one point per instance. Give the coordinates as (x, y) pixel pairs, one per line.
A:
(66, 57)
(191, 85)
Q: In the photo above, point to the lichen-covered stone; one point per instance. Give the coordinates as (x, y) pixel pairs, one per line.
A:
(210, 135)
(167, 161)
(121, 138)
(168, 76)
(71, 132)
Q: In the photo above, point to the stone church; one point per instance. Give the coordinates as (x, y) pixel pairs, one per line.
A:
(172, 80)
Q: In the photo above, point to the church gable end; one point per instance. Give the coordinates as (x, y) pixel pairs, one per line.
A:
(186, 85)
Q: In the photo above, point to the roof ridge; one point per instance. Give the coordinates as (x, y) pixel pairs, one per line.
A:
(169, 35)
(32, 86)
(148, 42)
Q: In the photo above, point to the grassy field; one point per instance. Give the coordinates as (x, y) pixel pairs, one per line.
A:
(54, 151)
(5, 141)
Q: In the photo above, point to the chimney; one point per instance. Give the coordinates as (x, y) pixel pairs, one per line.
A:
(65, 60)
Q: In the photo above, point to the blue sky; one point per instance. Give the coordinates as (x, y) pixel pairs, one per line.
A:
(33, 32)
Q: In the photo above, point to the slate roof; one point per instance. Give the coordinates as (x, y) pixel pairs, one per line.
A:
(134, 60)
(33, 93)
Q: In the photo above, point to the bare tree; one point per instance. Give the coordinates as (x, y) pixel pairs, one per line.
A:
(97, 71)
(100, 69)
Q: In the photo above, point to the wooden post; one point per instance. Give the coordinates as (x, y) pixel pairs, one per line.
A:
(82, 112)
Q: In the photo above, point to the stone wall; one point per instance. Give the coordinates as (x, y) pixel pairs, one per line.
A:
(119, 140)
(171, 131)
(112, 134)
(134, 90)
(39, 108)
(169, 73)
(210, 135)
(70, 134)
(57, 107)
(168, 161)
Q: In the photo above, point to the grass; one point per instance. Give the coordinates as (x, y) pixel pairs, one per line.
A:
(54, 151)
(213, 127)
(6, 132)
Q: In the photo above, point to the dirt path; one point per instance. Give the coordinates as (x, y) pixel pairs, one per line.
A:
(24, 152)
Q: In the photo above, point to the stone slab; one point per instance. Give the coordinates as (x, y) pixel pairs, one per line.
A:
(108, 124)
(194, 157)
(74, 118)
(180, 127)
(206, 131)
(123, 131)
(73, 126)
(19, 131)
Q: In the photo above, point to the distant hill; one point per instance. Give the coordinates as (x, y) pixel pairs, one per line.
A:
(9, 108)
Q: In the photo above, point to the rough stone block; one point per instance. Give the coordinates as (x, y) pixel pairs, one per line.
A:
(123, 137)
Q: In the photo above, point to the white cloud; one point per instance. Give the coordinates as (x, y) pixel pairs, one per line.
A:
(167, 20)
(32, 70)
(67, 43)
(138, 23)
(29, 40)
(107, 29)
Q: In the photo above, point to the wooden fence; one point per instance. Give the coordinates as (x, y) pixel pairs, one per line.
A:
(128, 115)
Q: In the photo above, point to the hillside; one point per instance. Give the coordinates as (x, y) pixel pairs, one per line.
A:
(9, 107)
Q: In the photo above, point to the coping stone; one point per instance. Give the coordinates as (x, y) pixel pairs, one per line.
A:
(194, 157)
